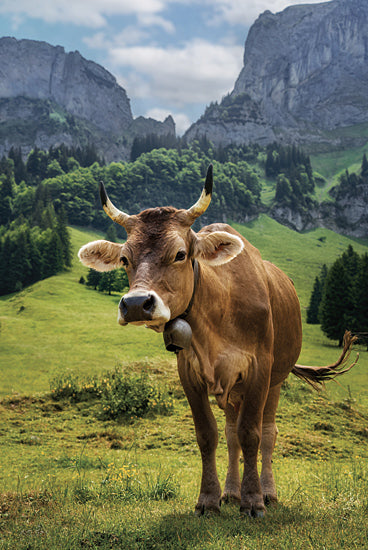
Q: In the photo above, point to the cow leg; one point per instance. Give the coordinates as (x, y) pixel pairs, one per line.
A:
(249, 434)
(207, 438)
(232, 485)
(269, 434)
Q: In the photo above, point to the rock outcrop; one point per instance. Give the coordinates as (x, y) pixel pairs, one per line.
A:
(48, 96)
(304, 79)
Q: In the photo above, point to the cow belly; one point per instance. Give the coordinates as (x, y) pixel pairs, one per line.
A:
(287, 323)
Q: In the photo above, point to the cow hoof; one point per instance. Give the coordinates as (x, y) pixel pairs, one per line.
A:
(199, 510)
(209, 510)
(252, 512)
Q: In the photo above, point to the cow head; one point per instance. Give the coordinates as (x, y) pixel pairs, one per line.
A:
(158, 257)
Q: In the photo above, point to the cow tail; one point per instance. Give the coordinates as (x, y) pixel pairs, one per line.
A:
(316, 376)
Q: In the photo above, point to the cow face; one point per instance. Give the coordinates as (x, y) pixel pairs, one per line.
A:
(158, 257)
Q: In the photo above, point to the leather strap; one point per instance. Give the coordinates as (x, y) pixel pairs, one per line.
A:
(196, 277)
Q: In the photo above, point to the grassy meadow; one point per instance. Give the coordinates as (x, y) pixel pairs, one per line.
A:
(71, 478)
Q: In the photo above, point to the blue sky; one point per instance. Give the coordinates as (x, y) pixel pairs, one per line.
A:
(171, 56)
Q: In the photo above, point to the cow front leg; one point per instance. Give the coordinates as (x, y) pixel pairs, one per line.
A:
(249, 434)
(232, 485)
(207, 438)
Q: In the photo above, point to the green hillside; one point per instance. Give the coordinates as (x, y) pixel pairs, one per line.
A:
(65, 326)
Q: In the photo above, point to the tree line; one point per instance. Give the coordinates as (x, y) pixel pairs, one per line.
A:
(160, 177)
(293, 171)
(339, 298)
(34, 238)
(108, 281)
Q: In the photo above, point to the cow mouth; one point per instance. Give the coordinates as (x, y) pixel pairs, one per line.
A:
(155, 324)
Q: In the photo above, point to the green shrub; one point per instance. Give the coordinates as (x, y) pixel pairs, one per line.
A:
(121, 394)
(127, 395)
(69, 386)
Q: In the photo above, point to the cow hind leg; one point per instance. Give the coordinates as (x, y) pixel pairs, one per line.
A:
(232, 485)
(249, 433)
(269, 434)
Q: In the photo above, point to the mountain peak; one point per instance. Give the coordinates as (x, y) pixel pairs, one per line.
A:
(305, 74)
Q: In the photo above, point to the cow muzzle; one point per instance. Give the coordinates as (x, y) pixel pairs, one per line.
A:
(140, 307)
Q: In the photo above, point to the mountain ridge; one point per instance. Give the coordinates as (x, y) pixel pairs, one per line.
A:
(82, 101)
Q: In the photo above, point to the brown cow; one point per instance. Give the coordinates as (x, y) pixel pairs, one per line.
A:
(240, 339)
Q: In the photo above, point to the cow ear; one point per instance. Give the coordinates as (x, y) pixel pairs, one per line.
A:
(101, 255)
(217, 248)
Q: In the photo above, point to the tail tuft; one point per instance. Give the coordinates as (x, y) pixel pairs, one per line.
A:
(316, 376)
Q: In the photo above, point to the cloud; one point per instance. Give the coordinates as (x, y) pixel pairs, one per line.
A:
(87, 13)
(182, 121)
(197, 72)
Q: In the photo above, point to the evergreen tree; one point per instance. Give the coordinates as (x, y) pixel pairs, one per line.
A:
(52, 253)
(314, 303)
(322, 278)
(336, 304)
(351, 262)
(360, 296)
(5, 274)
(93, 278)
(364, 167)
(107, 282)
(284, 190)
(64, 235)
(6, 193)
(20, 172)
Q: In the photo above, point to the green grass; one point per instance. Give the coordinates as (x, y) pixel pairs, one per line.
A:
(70, 478)
(73, 481)
(58, 325)
(334, 163)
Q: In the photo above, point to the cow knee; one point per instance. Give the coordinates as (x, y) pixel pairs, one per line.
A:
(249, 438)
(207, 439)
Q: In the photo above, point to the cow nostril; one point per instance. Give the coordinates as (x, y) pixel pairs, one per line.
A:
(123, 306)
(149, 303)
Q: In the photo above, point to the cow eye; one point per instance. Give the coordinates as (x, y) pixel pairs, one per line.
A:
(124, 261)
(180, 256)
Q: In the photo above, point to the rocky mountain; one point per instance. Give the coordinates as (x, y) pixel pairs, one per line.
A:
(48, 97)
(304, 80)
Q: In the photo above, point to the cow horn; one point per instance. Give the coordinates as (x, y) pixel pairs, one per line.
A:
(116, 215)
(204, 200)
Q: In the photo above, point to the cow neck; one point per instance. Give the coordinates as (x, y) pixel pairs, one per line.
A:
(177, 332)
(196, 277)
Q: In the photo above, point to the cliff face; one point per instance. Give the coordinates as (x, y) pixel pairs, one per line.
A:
(62, 97)
(306, 71)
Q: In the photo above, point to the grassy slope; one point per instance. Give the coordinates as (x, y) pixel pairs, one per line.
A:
(332, 164)
(65, 326)
(58, 324)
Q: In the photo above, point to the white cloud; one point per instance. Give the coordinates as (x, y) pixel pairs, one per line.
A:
(182, 121)
(198, 72)
(88, 13)
(153, 20)
(128, 36)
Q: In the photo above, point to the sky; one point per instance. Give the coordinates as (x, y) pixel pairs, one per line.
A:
(171, 56)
